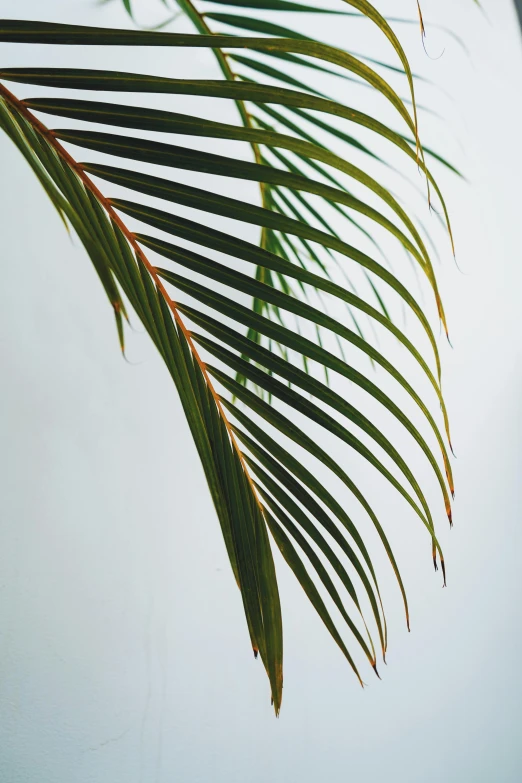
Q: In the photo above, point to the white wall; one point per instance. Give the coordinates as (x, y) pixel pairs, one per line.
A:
(123, 653)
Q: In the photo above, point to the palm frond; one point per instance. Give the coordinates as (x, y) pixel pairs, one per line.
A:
(237, 368)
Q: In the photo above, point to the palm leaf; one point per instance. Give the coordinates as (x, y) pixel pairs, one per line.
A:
(238, 377)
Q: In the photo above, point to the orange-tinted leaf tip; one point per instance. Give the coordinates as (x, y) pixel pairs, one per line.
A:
(443, 571)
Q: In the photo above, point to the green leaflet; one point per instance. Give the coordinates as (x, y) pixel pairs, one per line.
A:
(290, 555)
(39, 32)
(148, 119)
(282, 469)
(303, 380)
(281, 5)
(96, 80)
(166, 222)
(316, 414)
(184, 158)
(266, 293)
(234, 246)
(268, 28)
(279, 496)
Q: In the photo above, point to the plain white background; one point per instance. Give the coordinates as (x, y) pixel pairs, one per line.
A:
(124, 655)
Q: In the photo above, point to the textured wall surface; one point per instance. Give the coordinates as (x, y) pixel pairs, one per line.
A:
(123, 652)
